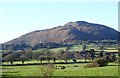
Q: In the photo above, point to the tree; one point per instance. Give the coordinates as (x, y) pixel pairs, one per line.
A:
(101, 48)
(67, 48)
(100, 54)
(36, 55)
(47, 53)
(92, 54)
(66, 56)
(84, 55)
(48, 58)
(11, 57)
(54, 59)
(112, 58)
(41, 58)
(74, 60)
(28, 52)
(77, 55)
(84, 47)
(59, 54)
(23, 58)
(54, 56)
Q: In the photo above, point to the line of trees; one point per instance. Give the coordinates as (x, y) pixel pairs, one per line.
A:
(46, 55)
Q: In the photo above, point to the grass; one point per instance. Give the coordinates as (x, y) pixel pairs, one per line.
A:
(57, 49)
(70, 70)
(19, 62)
(79, 48)
(81, 71)
(36, 61)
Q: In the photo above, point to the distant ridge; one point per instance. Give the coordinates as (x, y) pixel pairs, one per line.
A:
(68, 33)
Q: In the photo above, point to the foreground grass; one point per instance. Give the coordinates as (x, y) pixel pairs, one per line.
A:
(70, 70)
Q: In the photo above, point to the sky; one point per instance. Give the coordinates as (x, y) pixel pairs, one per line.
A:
(18, 18)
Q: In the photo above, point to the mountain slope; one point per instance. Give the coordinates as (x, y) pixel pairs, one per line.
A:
(70, 32)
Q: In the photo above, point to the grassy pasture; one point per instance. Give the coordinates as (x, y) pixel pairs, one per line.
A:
(36, 61)
(70, 70)
(79, 48)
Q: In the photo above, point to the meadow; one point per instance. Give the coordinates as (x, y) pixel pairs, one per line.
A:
(111, 48)
(70, 70)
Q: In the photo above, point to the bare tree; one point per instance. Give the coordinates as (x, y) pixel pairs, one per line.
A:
(28, 52)
(23, 58)
(11, 57)
(77, 55)
(59, 54)
(84, 47)
(66, 56)
(92, 54)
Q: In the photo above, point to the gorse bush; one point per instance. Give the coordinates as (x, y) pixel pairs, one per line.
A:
(47, 70)
(101, 61)
(92, 65)
(98, 62)
(112, 58)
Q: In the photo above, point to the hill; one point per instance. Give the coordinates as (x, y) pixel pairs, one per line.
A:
(71, 32)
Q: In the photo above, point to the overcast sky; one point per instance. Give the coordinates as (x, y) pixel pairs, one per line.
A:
(18, 18)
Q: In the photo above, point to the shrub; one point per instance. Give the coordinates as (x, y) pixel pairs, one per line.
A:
(74, 60)
(112, 58)
(47, 70)
(75, 65)
(102, 61)
(92, 65)
(118, 59)
(62, 67)
(98, 62)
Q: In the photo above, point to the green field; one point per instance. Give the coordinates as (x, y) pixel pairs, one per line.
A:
(88, 47)
(36, 61)
(70, 70)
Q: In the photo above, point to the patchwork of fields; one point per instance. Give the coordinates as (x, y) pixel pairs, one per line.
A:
(72, 69)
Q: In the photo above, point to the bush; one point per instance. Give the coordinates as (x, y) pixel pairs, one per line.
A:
(98, 62)
(92, 65)
(47, 70)
(75, 65)
(101, 61)
(63, 67)
(118, 59)
(112, 58)
(74, 60)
